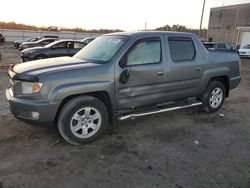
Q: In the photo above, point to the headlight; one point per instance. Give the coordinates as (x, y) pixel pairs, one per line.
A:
(30, 87)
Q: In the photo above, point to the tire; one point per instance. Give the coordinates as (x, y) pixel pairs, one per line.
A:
(214, 96)
(82, 120)
(40, 57)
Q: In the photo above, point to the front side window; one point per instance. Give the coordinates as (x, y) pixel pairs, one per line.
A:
(102, 49)
(181, 48)
(60, 45)
(146, 51)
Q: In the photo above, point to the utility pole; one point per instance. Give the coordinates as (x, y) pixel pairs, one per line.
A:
(204, 2)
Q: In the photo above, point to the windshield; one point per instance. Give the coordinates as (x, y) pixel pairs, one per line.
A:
(246, 46)
(33, 39)
(101, 49)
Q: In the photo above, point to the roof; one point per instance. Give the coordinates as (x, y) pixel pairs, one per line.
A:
(149, 33)
(231, 6)
(68, 40)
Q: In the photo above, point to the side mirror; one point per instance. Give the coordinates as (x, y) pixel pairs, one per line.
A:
(123, 62)
(124, 76)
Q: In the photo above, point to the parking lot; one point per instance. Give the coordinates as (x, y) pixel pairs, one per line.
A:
(181, 149)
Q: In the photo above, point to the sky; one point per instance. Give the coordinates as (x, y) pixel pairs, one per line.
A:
(128, 15)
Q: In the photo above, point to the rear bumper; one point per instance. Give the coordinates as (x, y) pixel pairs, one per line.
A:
(234, 82)
(32, 111)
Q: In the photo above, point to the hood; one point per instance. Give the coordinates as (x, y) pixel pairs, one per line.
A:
(244, 50)
(30, 70)
(32, 49)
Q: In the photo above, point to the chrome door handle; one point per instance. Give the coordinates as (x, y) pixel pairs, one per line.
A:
(160, 73)
(198, 68)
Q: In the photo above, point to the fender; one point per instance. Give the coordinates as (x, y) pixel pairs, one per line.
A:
(62, 91)
(212, 73)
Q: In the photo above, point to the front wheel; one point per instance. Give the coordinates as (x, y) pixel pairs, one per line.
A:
(40, 57)
(214, 96)
(82, 120)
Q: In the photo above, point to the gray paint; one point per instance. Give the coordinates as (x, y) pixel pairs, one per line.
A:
(64, 77)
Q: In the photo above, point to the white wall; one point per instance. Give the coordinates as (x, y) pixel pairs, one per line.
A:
(12, 35)
(245, 39)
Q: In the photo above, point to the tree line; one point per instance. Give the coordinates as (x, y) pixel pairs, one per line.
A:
(19, 26)
(182, 28)
(14, 25)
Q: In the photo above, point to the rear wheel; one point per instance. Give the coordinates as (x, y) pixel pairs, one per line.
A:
(40, 57)
(214, 96)
(82, 120)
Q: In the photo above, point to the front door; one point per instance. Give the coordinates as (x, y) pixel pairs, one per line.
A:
(140, 75)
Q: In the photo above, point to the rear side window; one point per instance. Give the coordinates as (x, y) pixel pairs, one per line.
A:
(79, 45)
(181, 48)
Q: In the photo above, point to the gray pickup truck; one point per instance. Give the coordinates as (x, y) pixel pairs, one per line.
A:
(120, 76)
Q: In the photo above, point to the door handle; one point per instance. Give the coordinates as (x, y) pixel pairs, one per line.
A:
(160, 73)
(197, 68)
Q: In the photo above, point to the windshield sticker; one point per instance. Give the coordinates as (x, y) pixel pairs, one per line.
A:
(114, 41)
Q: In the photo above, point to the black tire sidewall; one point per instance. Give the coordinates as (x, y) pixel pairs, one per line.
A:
(38, 57)
(69, 110)
(206, 97)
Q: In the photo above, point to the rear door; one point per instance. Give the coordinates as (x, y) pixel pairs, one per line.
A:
(141, 75)
(75, 47)
(185, 67)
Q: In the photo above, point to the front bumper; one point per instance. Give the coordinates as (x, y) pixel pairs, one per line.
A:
(25, 58)
(244, 54)
(32, 111)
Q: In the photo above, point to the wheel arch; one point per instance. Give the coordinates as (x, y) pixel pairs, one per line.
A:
(39, 55)
(103, 96)
(224, 80)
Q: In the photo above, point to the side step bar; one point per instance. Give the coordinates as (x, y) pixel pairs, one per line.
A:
(132, 116)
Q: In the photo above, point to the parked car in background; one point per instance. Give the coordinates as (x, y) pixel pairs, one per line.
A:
(120, 76)
(17, 43)
(41, 42)
(2, 38)
(244, 51)
(218, 46)
(88, 40)
(54, 49)
(47, 36)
